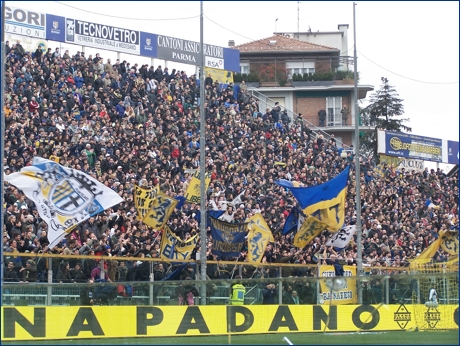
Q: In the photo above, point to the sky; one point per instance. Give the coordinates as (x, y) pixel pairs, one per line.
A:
(413, 44)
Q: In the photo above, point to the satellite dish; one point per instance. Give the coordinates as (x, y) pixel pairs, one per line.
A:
(336, 284)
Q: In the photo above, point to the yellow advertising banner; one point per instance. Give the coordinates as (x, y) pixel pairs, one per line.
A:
(192, 194)
(73, 322)
(222, 76)
(342, 293)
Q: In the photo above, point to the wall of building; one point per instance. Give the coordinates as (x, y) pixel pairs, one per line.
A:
(333, 40)
(310, 106)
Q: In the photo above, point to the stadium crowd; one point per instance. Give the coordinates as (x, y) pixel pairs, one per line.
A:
(126, 124)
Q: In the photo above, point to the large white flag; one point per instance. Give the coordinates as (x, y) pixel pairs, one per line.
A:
(64, 196)
(342, 237)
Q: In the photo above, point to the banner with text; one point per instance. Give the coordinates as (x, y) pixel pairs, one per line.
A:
(25, 22)
(345, 294)
(172, 247)
(102, 36)
(417, 147)
(223, 76)
(30, 44)
(400, 162)
(227, 238)
(85, 33)
(75, 322)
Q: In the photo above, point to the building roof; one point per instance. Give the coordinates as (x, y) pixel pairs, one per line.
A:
(278, 43)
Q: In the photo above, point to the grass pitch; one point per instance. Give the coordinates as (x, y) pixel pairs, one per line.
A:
(369, 338)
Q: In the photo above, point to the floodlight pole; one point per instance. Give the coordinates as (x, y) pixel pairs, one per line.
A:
(202, 167)
(357, 169)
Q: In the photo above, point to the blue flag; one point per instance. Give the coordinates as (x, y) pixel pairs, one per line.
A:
(326, 201)
(174, 275)
(209, 213)
(181, 200)
(227, 238)
(292, 221)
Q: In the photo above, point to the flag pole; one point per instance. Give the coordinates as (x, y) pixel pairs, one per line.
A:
(2, 150)
(202, 167)
(359, 254)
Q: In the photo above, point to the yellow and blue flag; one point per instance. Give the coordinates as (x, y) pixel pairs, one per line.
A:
(307, 232)
(161, 208)
(258, 237)
(326, 201)
(172, 247)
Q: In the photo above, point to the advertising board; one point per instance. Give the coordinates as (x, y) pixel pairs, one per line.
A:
(73, 322)
(411, 146)
(25, 22)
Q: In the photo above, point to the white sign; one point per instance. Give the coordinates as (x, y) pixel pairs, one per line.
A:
(214, 62)
(412, 165)
(102, 36)
(25, 22)
(30, 44)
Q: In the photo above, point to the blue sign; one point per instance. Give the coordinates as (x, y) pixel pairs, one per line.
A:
(452, 152)
(232, 60)
(411, 146)
(55, 30)
(149, 45)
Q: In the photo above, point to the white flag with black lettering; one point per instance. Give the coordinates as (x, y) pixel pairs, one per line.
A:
(64, 196)
(237, 200)
(341, 238)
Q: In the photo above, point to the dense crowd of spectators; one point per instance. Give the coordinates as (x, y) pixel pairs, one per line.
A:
(127, 124)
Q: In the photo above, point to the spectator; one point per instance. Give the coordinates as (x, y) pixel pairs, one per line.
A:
(97, 130)
(269, 294)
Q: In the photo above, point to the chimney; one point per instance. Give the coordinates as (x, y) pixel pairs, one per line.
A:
(231, 43)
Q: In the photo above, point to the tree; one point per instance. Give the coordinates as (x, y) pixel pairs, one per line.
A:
(384, 112)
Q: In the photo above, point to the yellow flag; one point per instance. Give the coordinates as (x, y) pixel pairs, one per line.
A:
(142, 199)
(258, 237)
(311, 228)
(217, 74)
(192, 194)
(449, 241)
(161, 208)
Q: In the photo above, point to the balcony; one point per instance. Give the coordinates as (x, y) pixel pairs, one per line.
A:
(279, 79)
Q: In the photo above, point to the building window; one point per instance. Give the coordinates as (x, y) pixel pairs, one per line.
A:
(244, 68)
(300, 67)
(334, 106)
